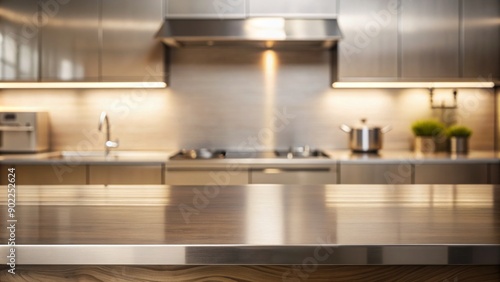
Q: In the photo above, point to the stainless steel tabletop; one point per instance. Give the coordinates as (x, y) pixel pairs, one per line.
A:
(255, 224)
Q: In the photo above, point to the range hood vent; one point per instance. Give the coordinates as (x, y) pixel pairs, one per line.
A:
(256, 32)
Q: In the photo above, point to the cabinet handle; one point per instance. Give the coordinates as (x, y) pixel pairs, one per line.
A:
(16, 128)
(273, 170)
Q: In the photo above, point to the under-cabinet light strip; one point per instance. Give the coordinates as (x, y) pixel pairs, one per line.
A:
(413, 85)
(88, 85)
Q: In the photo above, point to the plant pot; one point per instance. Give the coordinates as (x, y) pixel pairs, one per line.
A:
(425, 144)
(459, 144)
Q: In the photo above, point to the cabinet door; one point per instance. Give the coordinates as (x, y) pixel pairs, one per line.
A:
(293, 176)
(206, 9)
(70, 42)
(430, 39)
(4, 180)
(451, 174)
(18, 40)
(125, 174)
(57, 174)
(130, 50)
(376, 173)
(481, 42)
(369, 47)
(293, 8)
(204, 177)
(494, 173)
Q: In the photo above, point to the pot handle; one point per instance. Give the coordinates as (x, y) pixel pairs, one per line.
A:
(386, 129)
(345, 128)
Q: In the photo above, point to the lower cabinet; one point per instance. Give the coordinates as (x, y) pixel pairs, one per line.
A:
(326, 175)
(64, 174)
(406, 173)
(47, 174)
(125, 174)
(495, 173)
(451, 174)
(206, 176)
(376, 173)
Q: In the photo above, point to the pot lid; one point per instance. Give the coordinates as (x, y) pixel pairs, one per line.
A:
(362, 124)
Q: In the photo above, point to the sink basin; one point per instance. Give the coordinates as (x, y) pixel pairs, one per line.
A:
(113, 155)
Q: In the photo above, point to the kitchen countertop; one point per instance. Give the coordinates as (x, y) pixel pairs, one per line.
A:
(89, 157)
(255, 224)
(333, 157)
(392, 156)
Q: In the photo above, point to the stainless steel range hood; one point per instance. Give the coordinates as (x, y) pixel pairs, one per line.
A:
(260, 32)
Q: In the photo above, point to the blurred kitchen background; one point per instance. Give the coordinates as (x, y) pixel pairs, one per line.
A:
(221, 97)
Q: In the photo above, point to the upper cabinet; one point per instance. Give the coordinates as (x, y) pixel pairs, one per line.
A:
(19, 58)
(206, 9)
(426, 40)
(293, 8)
(430, 39)
(70, 42)
(369, 47)
(81, 40)
(130, 51)
(481, 39)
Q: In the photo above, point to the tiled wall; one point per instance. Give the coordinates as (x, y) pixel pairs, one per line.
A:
(230, 98)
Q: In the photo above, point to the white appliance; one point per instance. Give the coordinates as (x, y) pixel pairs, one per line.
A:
(24, 132)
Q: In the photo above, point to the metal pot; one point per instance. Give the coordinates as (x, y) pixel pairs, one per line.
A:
(364, 138)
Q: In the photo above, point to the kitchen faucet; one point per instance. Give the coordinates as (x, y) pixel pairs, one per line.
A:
(108, 144)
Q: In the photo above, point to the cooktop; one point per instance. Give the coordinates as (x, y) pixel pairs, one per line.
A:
(198, 154)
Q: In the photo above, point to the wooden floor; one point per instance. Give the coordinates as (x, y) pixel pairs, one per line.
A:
(52, 273)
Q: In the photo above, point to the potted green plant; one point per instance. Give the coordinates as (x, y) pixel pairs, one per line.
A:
(428, 134)
(459, 138)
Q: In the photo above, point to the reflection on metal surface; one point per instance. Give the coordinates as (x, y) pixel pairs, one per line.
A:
(19, 17)
(18, 41)
(413, 196)
(269, 44)
(252, 254)
(261, 227)
(16, 16)
(270, 62)
(100, 254)
(68, 70)
(95, 195)
(272, 170)
(266, 28)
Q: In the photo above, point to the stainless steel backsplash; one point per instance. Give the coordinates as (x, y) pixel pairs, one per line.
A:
(229, 98)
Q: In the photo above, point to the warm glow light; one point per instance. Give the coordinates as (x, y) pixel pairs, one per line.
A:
(269, 64)
(262, 228)
(88, 85)
(413, 85)
(267, 23)
(266, 28)
(269, 44)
